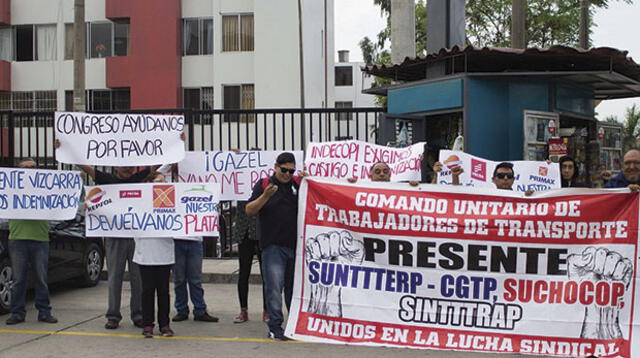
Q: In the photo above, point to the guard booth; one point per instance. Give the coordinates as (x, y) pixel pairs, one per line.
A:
(506, 103)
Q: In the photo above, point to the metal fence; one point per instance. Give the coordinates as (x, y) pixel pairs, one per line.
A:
(31, 135)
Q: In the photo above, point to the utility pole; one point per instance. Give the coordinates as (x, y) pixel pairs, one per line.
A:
(518, 14)
(301, 55)
(78, 56)
(584, 24)
(403, 30)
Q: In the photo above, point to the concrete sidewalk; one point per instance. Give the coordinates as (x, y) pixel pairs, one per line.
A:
(226, 271)
(217, 271)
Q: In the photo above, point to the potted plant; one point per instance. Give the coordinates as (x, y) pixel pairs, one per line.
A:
(101, 50)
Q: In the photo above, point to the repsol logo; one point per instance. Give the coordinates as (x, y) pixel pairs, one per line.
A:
(197, 199)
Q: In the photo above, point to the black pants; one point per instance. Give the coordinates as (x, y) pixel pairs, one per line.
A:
(246, 250)
(155, 281)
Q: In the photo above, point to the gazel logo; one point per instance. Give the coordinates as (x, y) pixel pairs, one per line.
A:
(95, 195)
(199, 200)
(197, 194)
(164, 196)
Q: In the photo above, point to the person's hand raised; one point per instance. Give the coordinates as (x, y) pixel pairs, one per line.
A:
(270, 190)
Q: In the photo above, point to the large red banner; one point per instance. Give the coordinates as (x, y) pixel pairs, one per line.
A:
(444, 267)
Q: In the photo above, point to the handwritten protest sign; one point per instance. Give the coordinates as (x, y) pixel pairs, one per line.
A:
(152, 210)
(353, 159)
(39, 194)
(236, 173)
(478, 172)
(118, 139)
(468, 269)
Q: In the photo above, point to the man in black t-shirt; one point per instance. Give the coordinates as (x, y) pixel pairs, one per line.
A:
(119, 251)
(275, 200)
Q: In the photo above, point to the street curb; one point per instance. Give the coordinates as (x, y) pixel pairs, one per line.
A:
(254, 279)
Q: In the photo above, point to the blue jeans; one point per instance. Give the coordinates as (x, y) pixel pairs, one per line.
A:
(25, 253)
(277, 274)
(188, 271)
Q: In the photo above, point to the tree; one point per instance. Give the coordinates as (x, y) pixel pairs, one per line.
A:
(611, 119)
(549, 22)
(631, 131)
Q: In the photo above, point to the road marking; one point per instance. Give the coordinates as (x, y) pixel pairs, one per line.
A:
(121, 335)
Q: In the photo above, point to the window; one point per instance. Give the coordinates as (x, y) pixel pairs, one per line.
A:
(197, 36)
(28, 101)
(237, 32)
(121, 39)
(344, 116)
(238, 97)
(28, 43)
(103, 39)
(121, 99)
(46, 45)
(102, 100)
(24, 43)
(100, 44)
(99, 100)
(344, 76)
(198, 98)
(68, 41)
(6, 44)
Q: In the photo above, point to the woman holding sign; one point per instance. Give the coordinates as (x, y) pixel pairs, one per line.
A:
(155, 257)
(569, 172)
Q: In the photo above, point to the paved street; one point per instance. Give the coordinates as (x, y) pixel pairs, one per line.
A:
(81, 333)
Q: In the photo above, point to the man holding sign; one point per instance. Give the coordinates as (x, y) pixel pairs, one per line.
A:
(29, 246)
(117, 139)
(120, 251)
(275, 199)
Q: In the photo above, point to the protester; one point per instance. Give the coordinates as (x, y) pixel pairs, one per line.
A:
(504, 176)
(630, 175)
(275, 200)
(569, 172)
(380, 172)
(455, 173)
(187, 272)
(605, 175)
(29, 246)
(155, 257)
(245, 234)
(119, 251)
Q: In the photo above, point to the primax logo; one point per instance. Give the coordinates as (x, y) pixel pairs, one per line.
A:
(164, 196)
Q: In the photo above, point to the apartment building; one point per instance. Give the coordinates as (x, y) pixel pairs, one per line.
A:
(156, 54)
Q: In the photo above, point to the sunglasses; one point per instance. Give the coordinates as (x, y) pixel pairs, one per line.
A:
(378, 171)
(286, 170)
(504, 175)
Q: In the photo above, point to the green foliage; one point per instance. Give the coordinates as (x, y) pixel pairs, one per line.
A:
(611, 119)
(631, 131)
(549, 22)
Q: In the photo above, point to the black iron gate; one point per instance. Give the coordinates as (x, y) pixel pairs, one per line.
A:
(31, 135)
